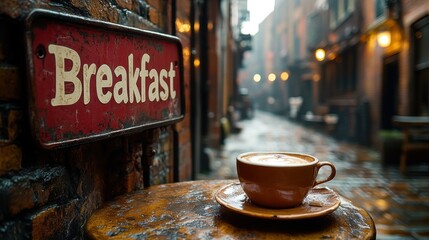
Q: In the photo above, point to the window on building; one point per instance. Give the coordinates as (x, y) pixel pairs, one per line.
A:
(380, 5)
(296, 43)
(420, 86)
(339, 76)
(333, 17)
(340, 10)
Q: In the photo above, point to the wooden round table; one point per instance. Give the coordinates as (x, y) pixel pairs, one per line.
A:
(188, 210)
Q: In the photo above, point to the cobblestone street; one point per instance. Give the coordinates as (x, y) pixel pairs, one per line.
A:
(398, 203)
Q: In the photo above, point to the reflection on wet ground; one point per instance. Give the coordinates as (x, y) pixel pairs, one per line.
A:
(398, 203)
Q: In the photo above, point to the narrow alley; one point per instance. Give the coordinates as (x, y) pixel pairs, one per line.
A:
(399, 204)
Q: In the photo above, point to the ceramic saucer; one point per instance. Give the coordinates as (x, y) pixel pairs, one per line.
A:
(319, 202)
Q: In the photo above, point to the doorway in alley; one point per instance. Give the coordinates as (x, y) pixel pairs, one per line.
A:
(389, 91)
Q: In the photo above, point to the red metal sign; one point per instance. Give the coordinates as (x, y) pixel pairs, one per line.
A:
(91, 79)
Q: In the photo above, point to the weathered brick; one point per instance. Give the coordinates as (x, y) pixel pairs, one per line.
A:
(10, 123)
(99, 165)
(155, 3)
(161, 170)
(57, 222)
(52, 222)
(103, 11)
(154, 16)
(93, 201)
(14, 230)
(29, 189)
(143, 8)
(10, 88)
(133, 20)
(14, 8)
(134, 181)
(80, 4)
(14, 124)
(185, 163)
(131, 5)
(134, 171)
(10, 158)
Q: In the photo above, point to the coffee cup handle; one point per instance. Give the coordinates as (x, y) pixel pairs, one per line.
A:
(330, 177)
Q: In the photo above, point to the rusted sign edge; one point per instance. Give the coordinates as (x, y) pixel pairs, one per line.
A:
(43, 13)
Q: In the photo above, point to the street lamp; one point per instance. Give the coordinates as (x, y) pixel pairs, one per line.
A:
(284, 76)
(320, 54)
(257, 78)
(271, 77)
(388, 30)
(384, 38)
(197, 62)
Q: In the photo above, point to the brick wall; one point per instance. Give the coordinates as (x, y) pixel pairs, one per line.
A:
(49, 194)
(183, 16)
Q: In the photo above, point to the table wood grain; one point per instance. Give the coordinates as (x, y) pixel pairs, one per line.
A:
(188, 210)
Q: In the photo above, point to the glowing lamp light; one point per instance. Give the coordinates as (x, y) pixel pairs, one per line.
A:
(196, 26)
(210, 26)
(271, 77)
(384, 38)
(316, 77)
(320, 54)
(257, 78)
(284, 76)
(197, 62)
(183, 26)
(331, 56)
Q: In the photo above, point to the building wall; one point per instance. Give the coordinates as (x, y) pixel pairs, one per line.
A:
(372, 61)
(412, 11)
(220, 75)
(361, 107)
(370, 68)
(49, 194)
(185, 159)
(214, 85)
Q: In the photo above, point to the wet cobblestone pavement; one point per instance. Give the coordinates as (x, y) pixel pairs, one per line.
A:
(398, 203)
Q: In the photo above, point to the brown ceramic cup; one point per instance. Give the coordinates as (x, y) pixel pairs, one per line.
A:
(279, 179)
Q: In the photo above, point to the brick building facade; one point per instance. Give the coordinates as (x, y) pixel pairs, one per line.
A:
(359, 82)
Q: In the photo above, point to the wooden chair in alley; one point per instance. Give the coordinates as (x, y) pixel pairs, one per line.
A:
(416, 136)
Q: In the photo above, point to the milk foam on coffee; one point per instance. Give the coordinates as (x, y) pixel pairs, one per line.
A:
(274, 159)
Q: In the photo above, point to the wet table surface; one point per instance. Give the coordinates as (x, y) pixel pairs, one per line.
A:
(189, 210)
